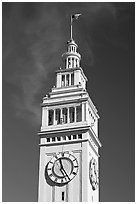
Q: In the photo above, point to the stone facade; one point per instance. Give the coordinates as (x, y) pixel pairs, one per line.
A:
(69, 143)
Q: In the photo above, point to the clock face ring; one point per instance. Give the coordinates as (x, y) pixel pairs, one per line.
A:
(93, 173)
(62, 168)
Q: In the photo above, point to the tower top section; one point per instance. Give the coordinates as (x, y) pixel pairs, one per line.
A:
(71, 58)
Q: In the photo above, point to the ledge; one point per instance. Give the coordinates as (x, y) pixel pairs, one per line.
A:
(51, 103)
(65, 128)
(95, 138)
(68, 142)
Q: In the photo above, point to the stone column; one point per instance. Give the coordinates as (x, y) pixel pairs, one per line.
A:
(68, 115)
(58, 78)
(44, 116)
(61, 117)
(65, 79)
(66, 63)
(75, 115)
(54, 121)
(69, 79)
(87, 113)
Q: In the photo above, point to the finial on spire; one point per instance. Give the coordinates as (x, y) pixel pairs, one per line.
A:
(72, 18)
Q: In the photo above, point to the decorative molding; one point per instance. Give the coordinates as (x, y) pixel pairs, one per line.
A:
(93, 107)
(67, 142)
(78, 126)
(95, 138)
(63, 102)
(66, 90)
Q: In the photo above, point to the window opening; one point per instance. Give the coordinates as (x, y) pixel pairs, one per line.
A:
(63, 196)
(67, 80)
(53, 139)
(69, 137)
(57, 116)
(58, 138)
(63, 80)
(64, 138)
(72, 79)
(71, 114)
(78, 113)
(64, 115)
(79, 136)
(50, 122)
(48, 139)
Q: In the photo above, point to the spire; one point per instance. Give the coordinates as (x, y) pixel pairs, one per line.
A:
(71, 58)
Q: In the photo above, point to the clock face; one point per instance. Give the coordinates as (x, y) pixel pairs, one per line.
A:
(62, 168)
(93, 173)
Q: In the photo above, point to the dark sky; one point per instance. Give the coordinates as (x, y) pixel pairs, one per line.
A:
(34, 38)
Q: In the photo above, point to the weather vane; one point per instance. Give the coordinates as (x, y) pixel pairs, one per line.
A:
(72, 18)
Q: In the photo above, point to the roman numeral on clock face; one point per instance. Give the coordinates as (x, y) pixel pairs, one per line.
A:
(50, 175)
(55, 179)
(49, 169)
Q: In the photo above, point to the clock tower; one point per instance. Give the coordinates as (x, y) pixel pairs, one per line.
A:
(69, 143)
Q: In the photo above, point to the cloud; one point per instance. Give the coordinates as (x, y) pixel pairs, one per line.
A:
(33, 56)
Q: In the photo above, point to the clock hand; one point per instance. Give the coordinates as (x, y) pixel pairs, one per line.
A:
(66, 173)
(62, 168)
(62, 172)
(61, 165)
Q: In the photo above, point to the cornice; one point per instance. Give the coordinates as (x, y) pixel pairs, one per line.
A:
(63, 102)
(65, 129)
(66, 90)
(93, 106)
(95, 138)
